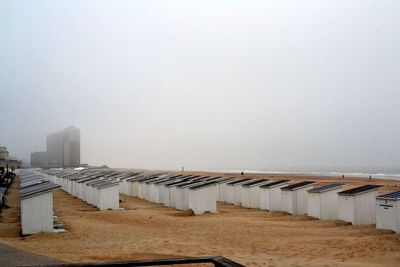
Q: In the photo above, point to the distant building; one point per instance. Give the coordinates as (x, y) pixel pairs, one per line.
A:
(3, 153)
(6, 162)
(39, 160)
(63, 148)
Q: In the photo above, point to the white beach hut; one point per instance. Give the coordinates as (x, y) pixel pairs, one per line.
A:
(146, 187)
(107, 195)
(222, 188)
(233, 192)
(323, 201)
(166, 194)
(357, 205)
(155, 190)
(388, 211)
(141, 187)
(134, 185)
(158, 190)
(173, 192)
(181, 193)
(37, 208)
(251, 193)
(202, 198)
(294, 197)
(270, 195)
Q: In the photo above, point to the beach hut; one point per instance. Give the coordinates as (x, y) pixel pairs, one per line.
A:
(37, 208)
(251, 193)
(181, 194)
(173, 191)
(203, 197)
(357, 205)
(158, 190)
(323, 201)
(270, 195)
(166, 192)
(233, 192)
(134, 185)
(107, 195)
(294, 197)
(388, 211)
(155, 190)
(142, 187)
(222, 188)
(124, 185)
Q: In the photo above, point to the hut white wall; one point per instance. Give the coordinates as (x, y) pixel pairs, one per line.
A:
(264, 199)
(164, 191)
(178, 198)
(147, 192)
(108, 198)
(121, 187)
(314, 205)
(270, 198)
(140, 190)
(388, 215)
(365, 212)
(295, 202)
(358, 209)
(346, 208)
(169, 201)
(203, 199)
(237, 195)
(172, 196)
(229, 194)
(246, 197)
(126, 187)
(37, 214)
(255, 197)
(75, 188)
(223, 188)
(154, 197)
(219, 192)
(302, 200)
(185, 198)
(324, 205)
(287, 201)
(135, 189)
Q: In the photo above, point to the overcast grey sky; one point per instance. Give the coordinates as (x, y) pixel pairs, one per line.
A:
(204, 84)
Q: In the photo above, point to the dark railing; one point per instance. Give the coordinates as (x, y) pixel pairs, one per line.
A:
(217, 261)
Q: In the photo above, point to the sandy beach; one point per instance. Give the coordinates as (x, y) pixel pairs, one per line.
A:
(145, 230)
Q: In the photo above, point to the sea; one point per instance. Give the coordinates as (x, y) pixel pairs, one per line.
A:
(391, 174)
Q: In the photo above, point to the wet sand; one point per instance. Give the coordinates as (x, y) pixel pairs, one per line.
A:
(145, 230)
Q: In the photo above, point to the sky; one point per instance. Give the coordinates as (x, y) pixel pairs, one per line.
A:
(263, 85)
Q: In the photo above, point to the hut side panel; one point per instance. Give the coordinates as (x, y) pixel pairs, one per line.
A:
(365, 208)
(314, 205)
(264, 198)
(203, 200)
(346, 208)
(275, 195)
(287, 201)
(37, 214)
(108, 198)
(388, 215)
(301, 200)
(329, 205)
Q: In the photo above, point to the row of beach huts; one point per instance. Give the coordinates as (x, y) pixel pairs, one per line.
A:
(101, 188)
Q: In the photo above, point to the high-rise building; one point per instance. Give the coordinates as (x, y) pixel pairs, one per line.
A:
(63, 148)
